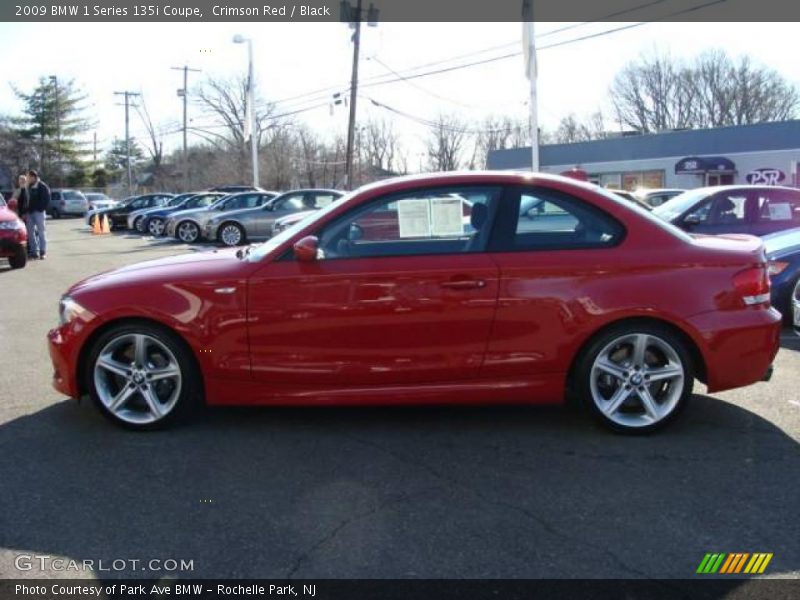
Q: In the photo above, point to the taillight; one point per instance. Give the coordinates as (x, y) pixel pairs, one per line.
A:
(776, 267)
(752, 285)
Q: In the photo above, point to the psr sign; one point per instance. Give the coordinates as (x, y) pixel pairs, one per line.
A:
(765, 176)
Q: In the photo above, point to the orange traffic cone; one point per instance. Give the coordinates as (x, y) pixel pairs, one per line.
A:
(97, 229)
(106, 228)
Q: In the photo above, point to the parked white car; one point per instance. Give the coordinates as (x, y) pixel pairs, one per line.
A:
(98, 201)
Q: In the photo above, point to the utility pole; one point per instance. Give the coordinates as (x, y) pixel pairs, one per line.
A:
(128, 96)
(57, 160)
(184, 92)
(353, 15)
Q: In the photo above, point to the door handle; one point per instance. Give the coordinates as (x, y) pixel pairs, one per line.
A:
(464, 284)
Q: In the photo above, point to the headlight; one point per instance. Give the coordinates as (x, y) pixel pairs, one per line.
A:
(11, 225)
(68, 310)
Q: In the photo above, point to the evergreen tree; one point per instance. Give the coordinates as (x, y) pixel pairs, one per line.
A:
(116, 165)
(53, 122)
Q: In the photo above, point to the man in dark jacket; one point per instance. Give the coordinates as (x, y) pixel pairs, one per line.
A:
(39, 202)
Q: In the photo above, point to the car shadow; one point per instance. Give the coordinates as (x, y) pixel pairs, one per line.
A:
(493, 492)
(790, 340)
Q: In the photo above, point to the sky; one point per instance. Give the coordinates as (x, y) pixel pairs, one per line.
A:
(292, 59)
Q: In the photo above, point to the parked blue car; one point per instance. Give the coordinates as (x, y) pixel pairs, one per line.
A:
(783, 253)
(198, 200)
(754, 209)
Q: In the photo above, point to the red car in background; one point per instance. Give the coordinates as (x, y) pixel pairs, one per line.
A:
(549, 290)
(13, 237)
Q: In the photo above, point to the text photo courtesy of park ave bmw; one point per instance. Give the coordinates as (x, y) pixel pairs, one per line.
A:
(399, 299)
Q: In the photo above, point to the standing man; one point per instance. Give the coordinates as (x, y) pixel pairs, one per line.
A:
(39, 195)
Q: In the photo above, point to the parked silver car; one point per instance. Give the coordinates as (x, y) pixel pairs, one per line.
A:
(67, 202)
(187, 225)
(237, 227)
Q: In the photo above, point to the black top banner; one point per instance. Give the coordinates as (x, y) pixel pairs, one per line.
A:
(399, 10)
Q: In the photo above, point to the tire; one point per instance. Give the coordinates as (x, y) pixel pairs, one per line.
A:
(92, 219)
(231, 234)
(618, 384)
(187, 232)
(147, 403)
(55, 213)
(20, 259)
(156, 227)
(787, 311)
(139, 225)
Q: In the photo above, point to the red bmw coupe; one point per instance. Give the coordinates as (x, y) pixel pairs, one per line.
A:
(448, 288)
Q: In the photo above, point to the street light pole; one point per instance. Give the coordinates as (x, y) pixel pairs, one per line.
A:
(251, 104)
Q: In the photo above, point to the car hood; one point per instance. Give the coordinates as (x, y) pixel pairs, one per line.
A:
(172, 269)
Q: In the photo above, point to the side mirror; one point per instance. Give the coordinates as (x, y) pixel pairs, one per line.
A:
(305, 250)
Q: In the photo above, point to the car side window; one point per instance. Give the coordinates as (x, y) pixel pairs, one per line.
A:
(727, 209)
(441, 221)
(550, 220)
(778, 205)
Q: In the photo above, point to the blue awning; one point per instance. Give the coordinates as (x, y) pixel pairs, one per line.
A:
(705, 164)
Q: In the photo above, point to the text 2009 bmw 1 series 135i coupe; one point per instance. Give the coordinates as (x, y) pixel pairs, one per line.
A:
(474, 288)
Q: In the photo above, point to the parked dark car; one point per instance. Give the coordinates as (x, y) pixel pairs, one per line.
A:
(118, 216)
(783, 253)
(755, 209)
(201, 200)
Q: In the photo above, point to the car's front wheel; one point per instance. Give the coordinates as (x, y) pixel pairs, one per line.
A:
(142, 376)
(138, 224)
(156, 227)
(188, 232)
(231, 234)
(635, 378)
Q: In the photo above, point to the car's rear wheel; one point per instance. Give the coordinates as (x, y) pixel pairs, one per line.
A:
(20, 258)
(138, 224)
(156, 227)
(635, 378)
(231, 234)
(141, 376)
(55, 213)
(188, 232)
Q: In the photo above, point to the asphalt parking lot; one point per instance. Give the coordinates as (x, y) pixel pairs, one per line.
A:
(372, 493)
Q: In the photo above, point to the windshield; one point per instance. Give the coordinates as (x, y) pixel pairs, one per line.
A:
(178, 200)
(678, 205)
(261, 250)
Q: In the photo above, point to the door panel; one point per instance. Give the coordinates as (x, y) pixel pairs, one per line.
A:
(372, 321)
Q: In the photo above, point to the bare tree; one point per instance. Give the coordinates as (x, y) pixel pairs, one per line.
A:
(657, 93)
(380, 144)
(445, 144)
(571, 129)
(155, 146)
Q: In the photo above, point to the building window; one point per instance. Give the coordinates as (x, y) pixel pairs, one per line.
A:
(633, 180)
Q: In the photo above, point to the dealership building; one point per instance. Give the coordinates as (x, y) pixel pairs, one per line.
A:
(764, 153)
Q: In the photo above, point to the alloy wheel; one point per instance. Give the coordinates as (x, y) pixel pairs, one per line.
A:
(188, 232)
(137, 378)
(231, 235)
(156, 227)
(637, 380)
